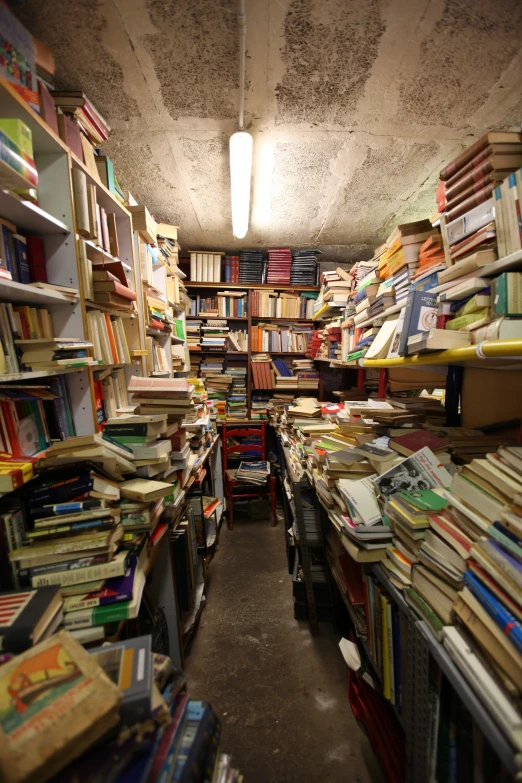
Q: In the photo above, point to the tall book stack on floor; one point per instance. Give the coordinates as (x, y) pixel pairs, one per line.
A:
(123, 709)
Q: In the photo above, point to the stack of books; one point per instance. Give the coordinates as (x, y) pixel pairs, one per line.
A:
(269, 304)
(252, 267)
(279, 267)
(306, 373)
(214, 336)
(82, 111)
(305, 267)
(470, 180)
(17, 165)
(130, 717)
(259, 406)
(52, 353)
(402, 247)
(237, 399)
(194, 335)
(253, 472)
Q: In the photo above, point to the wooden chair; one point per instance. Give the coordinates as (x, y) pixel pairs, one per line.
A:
(242, 452)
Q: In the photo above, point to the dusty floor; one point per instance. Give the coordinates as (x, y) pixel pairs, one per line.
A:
(281, 693)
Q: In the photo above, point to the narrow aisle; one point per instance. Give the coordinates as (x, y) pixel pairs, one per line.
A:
(281, 693)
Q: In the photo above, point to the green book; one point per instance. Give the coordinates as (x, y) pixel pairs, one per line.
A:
(473, 305)
(466, 320)
(507, 294)
(424, 500)
(424, 611)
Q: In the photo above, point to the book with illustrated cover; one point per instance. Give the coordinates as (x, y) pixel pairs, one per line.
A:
(421, 470)
(26, 616)
(55, 702)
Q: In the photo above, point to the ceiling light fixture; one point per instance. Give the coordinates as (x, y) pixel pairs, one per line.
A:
(241, 146)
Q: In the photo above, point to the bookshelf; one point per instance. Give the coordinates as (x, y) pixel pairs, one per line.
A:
(201, 288)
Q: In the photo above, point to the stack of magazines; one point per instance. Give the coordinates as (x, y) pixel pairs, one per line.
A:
(251, 266)
(253, 472)
(305, 268)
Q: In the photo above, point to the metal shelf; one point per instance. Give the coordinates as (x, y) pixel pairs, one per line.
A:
(473, 703)
(29, 217)
(11, 291)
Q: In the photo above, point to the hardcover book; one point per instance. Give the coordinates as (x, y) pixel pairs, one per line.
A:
(25, 616)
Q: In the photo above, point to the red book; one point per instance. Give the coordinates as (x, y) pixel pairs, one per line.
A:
(115, 287)
(414, 441)
(36, 259)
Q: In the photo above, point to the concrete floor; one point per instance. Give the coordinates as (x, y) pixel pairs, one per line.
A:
(281, 693)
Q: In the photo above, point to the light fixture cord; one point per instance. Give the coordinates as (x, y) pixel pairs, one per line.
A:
(241, 20)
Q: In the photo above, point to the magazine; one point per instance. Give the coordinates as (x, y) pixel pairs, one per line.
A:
(421, 470)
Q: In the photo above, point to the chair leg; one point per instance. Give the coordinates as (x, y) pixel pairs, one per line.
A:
(273, 500)
(230, 506)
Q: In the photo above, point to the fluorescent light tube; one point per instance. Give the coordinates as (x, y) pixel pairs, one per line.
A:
(240, 175)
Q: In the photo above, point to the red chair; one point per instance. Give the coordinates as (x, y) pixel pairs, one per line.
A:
(242, 452)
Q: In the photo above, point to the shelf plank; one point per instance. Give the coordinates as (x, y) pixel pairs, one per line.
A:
(11, 291)
(490, 350)
(281, 320)
(216, 318)
(27, 376)
(253, 286)
(45, 141)
(111, 310)
(28, 217)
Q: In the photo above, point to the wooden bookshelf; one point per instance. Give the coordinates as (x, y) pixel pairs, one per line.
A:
(251, 286)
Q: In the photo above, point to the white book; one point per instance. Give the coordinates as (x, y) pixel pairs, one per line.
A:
(193, 260)
(217, 268)
(381, 344)
(361, 499)
(204, 270)
(500, 226)
(467, 224)
(465, 289)
(199, 267)
(482, 682)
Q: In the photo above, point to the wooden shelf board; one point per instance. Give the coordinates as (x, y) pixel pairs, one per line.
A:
(28, 217)
(111, 310)
(45, 141)
(26, 376)
(11, 291)
(101, 252)
(216, 318)
(280, 320)
(253, 286)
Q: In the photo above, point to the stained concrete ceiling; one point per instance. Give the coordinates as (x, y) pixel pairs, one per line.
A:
(354, 105)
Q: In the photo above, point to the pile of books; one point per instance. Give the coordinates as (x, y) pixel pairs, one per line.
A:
(109, 719)
(237, 392)
(214, 336)
(279, 266)
(306, 373)
(305, 267)
(194, 335)
(253, 472)
(252, 266)
(259, 406)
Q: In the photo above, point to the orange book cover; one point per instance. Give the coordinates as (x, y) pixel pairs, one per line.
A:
(112, 341)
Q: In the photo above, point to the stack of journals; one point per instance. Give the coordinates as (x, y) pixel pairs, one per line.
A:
(252, 267)
(305, 267)
(205, 267)
(306, 373)
(161, 395)
(253, 472)
(279, 266)
(259, 406)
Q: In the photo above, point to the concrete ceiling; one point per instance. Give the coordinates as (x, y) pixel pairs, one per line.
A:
(354, 105)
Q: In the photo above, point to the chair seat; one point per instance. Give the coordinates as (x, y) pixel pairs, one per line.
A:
(241, 486)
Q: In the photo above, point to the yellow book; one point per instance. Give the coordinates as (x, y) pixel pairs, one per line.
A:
(386, 687)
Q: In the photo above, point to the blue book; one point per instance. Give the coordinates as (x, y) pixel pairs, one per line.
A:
(8, 251)
(21, 262)
(420, 315)
(504, 619)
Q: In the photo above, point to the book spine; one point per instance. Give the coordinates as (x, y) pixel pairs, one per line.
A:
(504, 619)
(386, 686)
(471, 201)
(467, 156)
(77, 576)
